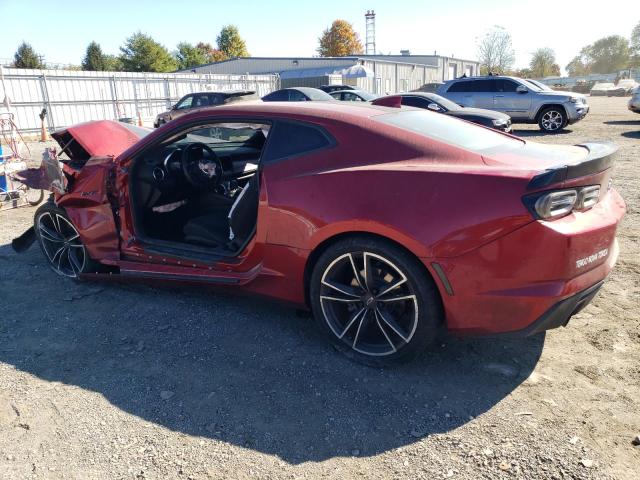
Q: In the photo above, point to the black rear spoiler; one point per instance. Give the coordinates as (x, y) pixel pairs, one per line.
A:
(600, 157)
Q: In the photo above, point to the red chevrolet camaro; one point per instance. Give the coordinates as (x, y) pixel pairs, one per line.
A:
(388, 223)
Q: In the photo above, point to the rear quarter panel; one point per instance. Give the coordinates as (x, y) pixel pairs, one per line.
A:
(438, 201)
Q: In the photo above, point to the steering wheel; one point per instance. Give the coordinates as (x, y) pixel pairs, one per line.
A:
(201, 171)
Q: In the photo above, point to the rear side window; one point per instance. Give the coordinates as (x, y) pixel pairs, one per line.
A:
(473, 86)
(277, 96)
(449, 130)
(458, 87)
(414, 102)
(290, 139)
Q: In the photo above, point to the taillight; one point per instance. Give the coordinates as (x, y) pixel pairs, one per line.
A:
(556, 204)
(559, 203)
(588, 197)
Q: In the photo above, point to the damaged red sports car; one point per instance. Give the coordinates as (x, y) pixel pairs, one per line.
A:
(388, 223)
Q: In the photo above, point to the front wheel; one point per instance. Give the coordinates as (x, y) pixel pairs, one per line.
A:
(374, 301)
(60, 242)
(552, 119)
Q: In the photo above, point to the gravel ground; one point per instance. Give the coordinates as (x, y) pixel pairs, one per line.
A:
(110, 381)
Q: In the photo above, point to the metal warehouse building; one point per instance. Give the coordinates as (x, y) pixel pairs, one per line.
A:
(375, 73)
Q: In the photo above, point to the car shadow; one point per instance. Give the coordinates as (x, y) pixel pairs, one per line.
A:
(631, 134)
(622, 122)
(247, 372)
(538, 133)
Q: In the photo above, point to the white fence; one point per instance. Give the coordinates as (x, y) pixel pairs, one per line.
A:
(72, 97)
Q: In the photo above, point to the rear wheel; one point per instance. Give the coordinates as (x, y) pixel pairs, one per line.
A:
(374, 301)
(552, 119)
(60, 242)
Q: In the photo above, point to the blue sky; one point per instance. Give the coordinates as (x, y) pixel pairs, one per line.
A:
(61, 30)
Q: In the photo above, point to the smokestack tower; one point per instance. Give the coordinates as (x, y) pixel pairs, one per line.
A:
(370, 43)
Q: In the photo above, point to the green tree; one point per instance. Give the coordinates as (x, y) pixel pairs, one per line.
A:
(495, 51)
(189, 56)
(26, 57)
(210, 53)
(543, 63)
(634, 47)
(141, 53)
(339, 40)
(580, 65)
(609, 54)
(113, 63)
(230, 43)
(94, 58)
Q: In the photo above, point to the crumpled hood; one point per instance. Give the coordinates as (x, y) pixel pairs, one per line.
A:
(100, 138)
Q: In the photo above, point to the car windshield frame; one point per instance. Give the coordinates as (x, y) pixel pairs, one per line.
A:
(450, 130)
(443, 102)
(536, 87)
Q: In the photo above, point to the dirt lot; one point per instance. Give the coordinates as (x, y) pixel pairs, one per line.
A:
(112, 381)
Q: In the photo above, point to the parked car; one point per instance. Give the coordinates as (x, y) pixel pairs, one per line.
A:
(634, 101)
(429, 87)
(335, 88)
(389, 224)
(298, 94)
(623, 88)
(431, 101)
(601, 89)
(524, 102)
(201, 100)
(353, 95)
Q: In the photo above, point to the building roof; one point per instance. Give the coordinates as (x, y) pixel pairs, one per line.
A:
(278, 64)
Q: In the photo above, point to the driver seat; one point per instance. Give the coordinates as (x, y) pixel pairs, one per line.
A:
(217, 228)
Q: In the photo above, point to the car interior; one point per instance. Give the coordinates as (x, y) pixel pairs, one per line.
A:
(200, 188)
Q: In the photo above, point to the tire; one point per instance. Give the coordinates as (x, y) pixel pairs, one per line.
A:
(552, 119)
(60, 242)
(364, 318)
(36, 198)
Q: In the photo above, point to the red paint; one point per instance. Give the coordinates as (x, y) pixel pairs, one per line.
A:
(444, 204)
(102, 138)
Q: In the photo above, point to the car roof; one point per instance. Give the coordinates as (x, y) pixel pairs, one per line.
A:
(355, 90)
(482, 77)
(320, 110)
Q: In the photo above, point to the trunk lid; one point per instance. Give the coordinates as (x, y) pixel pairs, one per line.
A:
(555, 164)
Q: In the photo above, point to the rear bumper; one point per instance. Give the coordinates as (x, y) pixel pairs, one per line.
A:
(533, 278)
(560, 313)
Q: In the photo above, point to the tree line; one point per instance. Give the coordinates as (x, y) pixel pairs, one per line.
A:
(606, 55)
(141, 53)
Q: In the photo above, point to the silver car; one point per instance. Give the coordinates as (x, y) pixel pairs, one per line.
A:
(523, 101)
(634, 101)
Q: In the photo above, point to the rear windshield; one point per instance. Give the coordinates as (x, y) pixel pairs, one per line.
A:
(449, 130)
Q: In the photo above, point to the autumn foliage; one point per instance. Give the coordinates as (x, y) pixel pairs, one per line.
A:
(340, 40)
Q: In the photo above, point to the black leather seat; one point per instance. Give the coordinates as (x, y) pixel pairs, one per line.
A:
(219, 228)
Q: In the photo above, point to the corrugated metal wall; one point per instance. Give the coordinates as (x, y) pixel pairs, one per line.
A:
(397, 77)
(72, 97)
